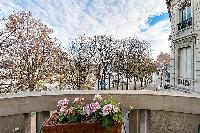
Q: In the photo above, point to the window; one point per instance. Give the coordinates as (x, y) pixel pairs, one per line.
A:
(199, 128)
(185, 66)
(185, 13)
(185, 17)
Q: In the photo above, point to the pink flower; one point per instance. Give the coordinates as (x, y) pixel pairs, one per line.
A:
(86, 109)
(107, 109)
(98, 105)
(62, 108)
(62, 103)
(90, 108)
(94, 106)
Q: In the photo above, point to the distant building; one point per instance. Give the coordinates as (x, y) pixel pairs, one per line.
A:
(185, 44)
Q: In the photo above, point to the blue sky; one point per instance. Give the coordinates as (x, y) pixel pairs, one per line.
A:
(155, 19)
(146, 19)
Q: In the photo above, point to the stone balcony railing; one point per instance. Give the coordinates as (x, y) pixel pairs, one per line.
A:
(15, 110)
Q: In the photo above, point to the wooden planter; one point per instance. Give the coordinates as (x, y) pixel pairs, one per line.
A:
(79, 128)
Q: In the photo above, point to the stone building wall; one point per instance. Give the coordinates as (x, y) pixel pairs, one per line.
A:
(174, 23)
(15, 124)
(171, 122)
(196, 26)
(180, 38)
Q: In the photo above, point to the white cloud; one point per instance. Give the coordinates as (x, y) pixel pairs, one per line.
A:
(120, 18)
(158, 35)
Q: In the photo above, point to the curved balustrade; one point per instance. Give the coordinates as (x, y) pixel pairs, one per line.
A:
(43, 103)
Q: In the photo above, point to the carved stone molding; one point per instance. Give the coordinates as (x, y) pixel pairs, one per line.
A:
(180, 4)
(183, 3)
(185, 41)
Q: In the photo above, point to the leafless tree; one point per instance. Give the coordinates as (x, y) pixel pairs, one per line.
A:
(103, 56)
(29, 51)
(81, 67)
(31, 57)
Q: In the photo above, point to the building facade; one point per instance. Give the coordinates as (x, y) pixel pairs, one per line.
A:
(185, 44)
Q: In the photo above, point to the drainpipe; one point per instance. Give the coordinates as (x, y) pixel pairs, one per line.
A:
(194, 52)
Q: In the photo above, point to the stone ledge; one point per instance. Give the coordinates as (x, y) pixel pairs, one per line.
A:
(143, 99)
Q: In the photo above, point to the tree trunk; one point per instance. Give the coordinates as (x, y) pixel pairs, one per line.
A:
(145, 82)
(141, 82)
(98, 84)
(135, 82)
(99, 77)
(109, 82)
(79, 83)
(104, 79)
(127, 84)
(113, 84)
(127, 76)
(118, 82)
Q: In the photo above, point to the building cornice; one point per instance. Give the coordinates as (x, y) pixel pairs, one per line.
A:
(194, 35)
(185, 41)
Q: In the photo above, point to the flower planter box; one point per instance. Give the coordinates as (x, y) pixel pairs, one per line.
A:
(77, 117)
(86, 127)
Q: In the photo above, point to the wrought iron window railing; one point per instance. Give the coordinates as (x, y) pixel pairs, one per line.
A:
(185, 82)
(185, 23)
